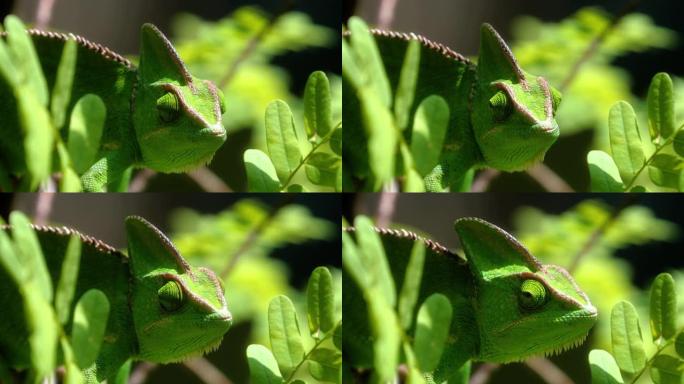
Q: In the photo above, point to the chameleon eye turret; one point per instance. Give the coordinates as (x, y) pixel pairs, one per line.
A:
(170, 296)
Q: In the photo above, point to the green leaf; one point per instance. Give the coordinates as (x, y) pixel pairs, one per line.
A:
(321, 169)
(325, 365)
(70, 181)
(383, 137)
(374, 259)
(123, 373)
(263, 368)
(43, 331)
(664, 170)
(406, 89)
(336, 141)
(67, 279)
(604, 369)
(7, 69)
(337, 336)
(9, 260)
(663, 307)
(30, 254)
(85, 131)
(286, 341)
(625, 142)
(90, 321)
(317, 105)
(261, 174)
(295, 188)
(432, 331)
(660, 107)
(413, 376)
(353, 263)
(666, 370)
(604, 174)
(61, 93)
(281, 139)
(367, 57)
(628, 346)
(681, 181)
(678, 143)
(26, 59)
(413, 181)
(679, 344)
(386, 334)
(411, 287)
(73, 374)
(320, 301)
(38, 136)
(429, 128)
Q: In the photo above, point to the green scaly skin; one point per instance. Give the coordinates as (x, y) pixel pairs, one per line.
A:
(158, 115)
(498, 314)
(500, 116)
(144, 324)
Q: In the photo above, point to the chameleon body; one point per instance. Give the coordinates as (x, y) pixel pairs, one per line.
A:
(507, 306)
(500, 116)
(158, 115)
(161, 308)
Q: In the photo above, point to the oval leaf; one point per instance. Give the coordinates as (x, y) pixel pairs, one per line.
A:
(31, 254)
(679, 344)
(429, 128)
(24, 54)
(85, 131)
(628, 346)
(604, 369)
(603, 172)
(663, 307)
(664, 170)
(660, 107)
(61, 93)
(678, 143)
(317, 105)
(625, 142)
(407, 85)
(411, 287)
(322, 168)
(666, 370)
(336, 141)
(90, 322)
(320, 301)
(286, 341)
(375, 262)
(67, 279)
(263, 368)
(261, 174)
(325, 365)
(368, 59)
(432, 330)
(281, 139)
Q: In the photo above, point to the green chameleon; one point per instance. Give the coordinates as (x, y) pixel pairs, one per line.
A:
(158, 115)
(161, 308)
(500, 116)
(507, 306)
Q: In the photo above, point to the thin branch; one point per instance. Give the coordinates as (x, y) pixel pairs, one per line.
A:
(548, 179)
(386, 205)
(254, 43)
(43, 207)
(483, 373)
(598, 40)
(206, 371)
(386, 13)
(208, 180)
(596, 235)
(140, 180)
(140, 373)
(44, 13)
(483, 180)
(548, 371)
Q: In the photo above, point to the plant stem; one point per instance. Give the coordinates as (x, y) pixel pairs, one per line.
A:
(650, 159)
(308, 354)
(308, 155)
(650, 360)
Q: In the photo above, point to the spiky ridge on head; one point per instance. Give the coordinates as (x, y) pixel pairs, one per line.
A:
(179, 311)
(177, 117)
(523, 308)
(512, 111)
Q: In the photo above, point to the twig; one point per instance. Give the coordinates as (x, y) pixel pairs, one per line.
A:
(386, 13)
(43, 207)
(44, 13)
(253, 43)
(140, 180)
(483, 180)
(596, 235)
(208, 180)
(548, 179)
(206, 371)
(254, 235)
(483, 373)
(386, 205)
(141, 372)
(548, 371)
(593, 47)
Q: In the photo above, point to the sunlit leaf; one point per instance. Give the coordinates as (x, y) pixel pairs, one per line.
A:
(317, 108)
(26, 58)
(663, 307)
(73, 373)
(603, 172)
(664, 170)
(604, 369)
(90, 322)
(660, 107)
(281, 139)
(628, 346)
(625, 142)
(414, 376)
(432, 331)
(325, 364)
(263, 368)
(67, 279)
(30, 254)
(666, 370)
(429, 128)
(61, 93)
(386, 335)
(320, 301)
(123, 373)
(261, 174)
(406, 89)
(411, 286)
(286, 340)
(382, 137)
(367, 57)
(85, 131)
(321, 168)
(374, 259)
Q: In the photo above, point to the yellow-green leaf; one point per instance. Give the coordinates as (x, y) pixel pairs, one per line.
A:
(604, 369)
(625, 142)
(663, 307)
(281, 139)
(320, 301)
(406, 89)
(432, 331)
(263, 368)
(261, 174)
(286, 340)
(660, 107)
(67, 279)
(411, 286)
(31, 254)
(429, 129)
(317, 105)
(628, 346)
(603, 172)
(90, 321)
(61, 92)
(85, 131)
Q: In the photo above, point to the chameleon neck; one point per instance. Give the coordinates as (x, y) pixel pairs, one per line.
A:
(442, 72)
(98, 71)
(101, 267)
(449, 275)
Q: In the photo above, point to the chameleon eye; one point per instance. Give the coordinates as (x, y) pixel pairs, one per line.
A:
(556, 98)
(222, 101)
(501, 106)
(170, 296)
(532, 294)
(168, 107)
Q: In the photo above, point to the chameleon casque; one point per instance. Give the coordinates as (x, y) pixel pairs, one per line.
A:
(158, 115)
(507, 306)
(500, 116)
(161, 308)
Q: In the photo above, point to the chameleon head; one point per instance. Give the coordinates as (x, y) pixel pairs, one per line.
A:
(524, 308)
(179, 311)
(513, 111)
(177, 117)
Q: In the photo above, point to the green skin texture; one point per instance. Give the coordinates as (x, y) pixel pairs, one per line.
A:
(500, 116)
(493, 318)
(145, 322)
(158, 115)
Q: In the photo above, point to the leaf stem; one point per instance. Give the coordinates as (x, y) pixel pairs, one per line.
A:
(308, 155)
(650, 159)
(652, 358)
(308, 354)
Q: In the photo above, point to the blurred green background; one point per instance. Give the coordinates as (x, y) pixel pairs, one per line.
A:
(644, 237)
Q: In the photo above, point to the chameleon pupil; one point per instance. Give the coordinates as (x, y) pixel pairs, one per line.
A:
(532, 294)
(170, 296)
(168, 107)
